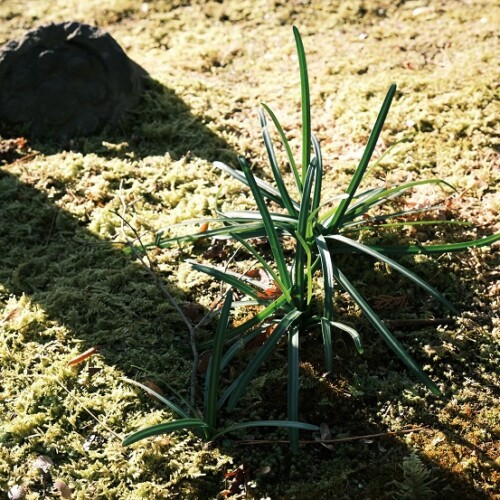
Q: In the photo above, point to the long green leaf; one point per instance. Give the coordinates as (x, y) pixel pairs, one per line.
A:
(391, 341)
(405, 272)
(174, 407)
(266, 189)
(266, 266)
(165, 428)
(363, 164)
(425, 249)
(268, 423)
(326, 331)
(288, 149)
(360, 208)
(214, 365)
(269, 225)
(238, 387)
(268, 311)
(328, 313)
(293, 383)
(392, 225)
(301, 235)
(286, 200)
(227, 278)
(352, 332)
(318, 180)
(241, 229)
(305, 103)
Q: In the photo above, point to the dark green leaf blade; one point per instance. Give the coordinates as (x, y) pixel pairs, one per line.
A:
(238, 387)
(214, 365)
(269, 225)
(365, 160)
(164, 428)
(305, 103)
(405, 272)
(391, 341)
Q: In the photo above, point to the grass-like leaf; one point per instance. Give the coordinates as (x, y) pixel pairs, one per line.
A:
(238, 387)
(352, 332)
(305, 104)
(268, 423)
(266, 266)
(425, 249)
(285, 197)
(406, 272)
(164, 428)
(269, 225)
(363, 164)
(328, 312)
(213, 371)
(293, 383)
(362, 206)
(266, 189)
(391, 341)
(288, 149)
(301, 235)
(228, 278)
(173, 406)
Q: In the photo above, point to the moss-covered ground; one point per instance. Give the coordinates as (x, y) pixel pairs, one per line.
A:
(66, 284)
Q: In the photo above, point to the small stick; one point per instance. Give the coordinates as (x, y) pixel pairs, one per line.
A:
(416, 323)
(339, 440)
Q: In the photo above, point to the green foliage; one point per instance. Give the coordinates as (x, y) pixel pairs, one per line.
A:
(206, 424)
(320, 229)
(416, 482)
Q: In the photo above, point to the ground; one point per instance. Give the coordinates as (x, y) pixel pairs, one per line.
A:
(67, 285)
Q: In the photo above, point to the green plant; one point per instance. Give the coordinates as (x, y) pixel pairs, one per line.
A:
(205, 423)
(416, 480)
(320, 229)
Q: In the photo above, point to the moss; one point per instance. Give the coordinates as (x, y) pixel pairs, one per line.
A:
(66, 285)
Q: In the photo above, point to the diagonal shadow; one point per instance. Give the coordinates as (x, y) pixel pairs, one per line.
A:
(99, 294)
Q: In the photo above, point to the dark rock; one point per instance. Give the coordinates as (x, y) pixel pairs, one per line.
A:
(64, 80)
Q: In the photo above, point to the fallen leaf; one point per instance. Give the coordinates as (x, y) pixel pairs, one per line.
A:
(154, 388)
(83, 356)
(240, 478)
(260, 338)
(325, 435)
(272, 292)
(12, 315)
(64, 490)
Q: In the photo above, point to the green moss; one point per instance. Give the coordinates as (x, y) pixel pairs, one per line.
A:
(66, 285)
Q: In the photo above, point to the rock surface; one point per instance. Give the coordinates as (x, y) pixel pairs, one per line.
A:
(64, 80)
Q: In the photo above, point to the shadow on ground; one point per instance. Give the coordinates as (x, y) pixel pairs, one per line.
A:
(103, 298)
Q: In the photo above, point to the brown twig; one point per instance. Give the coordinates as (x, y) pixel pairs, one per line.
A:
(148, 265)
(417, 323)
(338, 440)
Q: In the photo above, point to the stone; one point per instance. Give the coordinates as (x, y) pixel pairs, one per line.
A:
(65, 80)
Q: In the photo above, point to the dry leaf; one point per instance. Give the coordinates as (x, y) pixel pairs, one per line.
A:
(240, 478)
(325, 435)
(63, 489)
(260, 338)
(153, 387)
(83, 356)
(203, 361)
(271, 293)
(12, 315)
